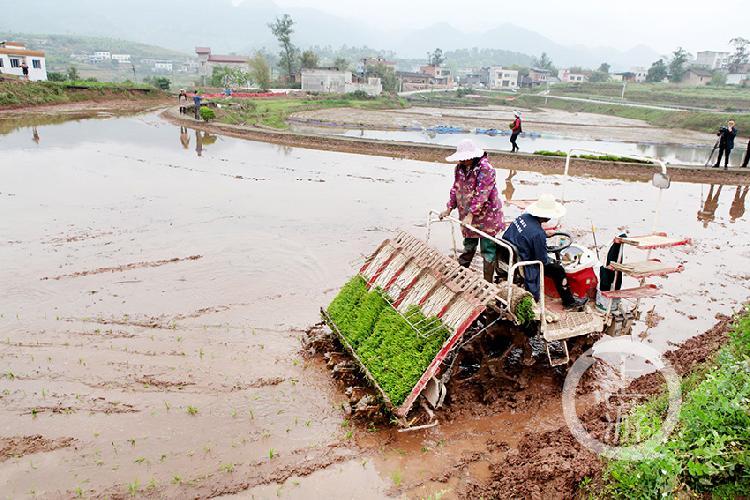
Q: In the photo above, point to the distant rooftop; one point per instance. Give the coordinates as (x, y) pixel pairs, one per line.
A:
(203, 50)
(227, 59)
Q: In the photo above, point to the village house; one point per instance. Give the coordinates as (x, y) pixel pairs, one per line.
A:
(121, 58)
(712, 60)
(375, 61)
(335, 81)
(738, 79)
(101, 55)
(567, 76)
(499, 78)
(695, 77)
(440, 74)
(208, 61)
(640, 73)
(14, 54)
(625, 76)
(161, 66)
(536, 78)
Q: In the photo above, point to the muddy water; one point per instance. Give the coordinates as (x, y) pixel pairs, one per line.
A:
(156, 281)
(674, 153)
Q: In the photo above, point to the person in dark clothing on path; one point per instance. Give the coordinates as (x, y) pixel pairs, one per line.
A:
(515, 129)
(527, 235)
(197, 104)
(25, 70)
(747, 156)
(726, 143)
(182, 100)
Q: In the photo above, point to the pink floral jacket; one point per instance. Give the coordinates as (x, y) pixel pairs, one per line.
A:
(474, 191)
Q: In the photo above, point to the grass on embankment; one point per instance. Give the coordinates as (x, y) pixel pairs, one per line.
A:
(563, 154)
(727, 98)
(691, 120)
(709, 451)
(274, 112)
(14, 94)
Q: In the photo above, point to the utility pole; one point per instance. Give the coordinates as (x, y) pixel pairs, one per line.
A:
(624, 84)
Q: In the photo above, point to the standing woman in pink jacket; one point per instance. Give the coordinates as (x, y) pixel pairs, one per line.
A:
(475, 195)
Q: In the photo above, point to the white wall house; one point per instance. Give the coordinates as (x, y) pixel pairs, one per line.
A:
(334, 81)
(566, 76)
(499, 78)
(121, 58)
(711, 59)
(101, 55)
(163, 66)
(640, 73)
(13, 54)
(737, 78)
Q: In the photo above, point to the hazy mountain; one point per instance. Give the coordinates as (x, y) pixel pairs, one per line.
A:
(228, 28)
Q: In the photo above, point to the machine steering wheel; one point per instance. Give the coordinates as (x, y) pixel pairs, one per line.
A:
(557, 250)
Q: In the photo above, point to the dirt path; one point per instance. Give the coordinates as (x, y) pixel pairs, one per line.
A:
(435, 153)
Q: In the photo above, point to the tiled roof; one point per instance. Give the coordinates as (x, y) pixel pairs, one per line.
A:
(227, 59)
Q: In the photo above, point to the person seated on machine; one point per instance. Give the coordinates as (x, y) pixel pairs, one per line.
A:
(527, 235)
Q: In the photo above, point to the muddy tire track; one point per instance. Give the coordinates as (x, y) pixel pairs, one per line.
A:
(124, 267)
(18, 446)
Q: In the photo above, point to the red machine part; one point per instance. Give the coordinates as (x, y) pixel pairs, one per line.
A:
(583, 283)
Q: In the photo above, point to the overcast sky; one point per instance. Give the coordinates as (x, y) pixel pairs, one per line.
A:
(661, 24)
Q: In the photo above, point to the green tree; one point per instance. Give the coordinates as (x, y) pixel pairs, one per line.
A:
(260, 71)
(604, 68)
(657, 72)
(341, 64)
(677, 67)
(435, 58)
(309, 59)
(222, 76)
(55, 77)
(72, 74)
(282, 29)
(544, 62)
(740, 56)
(387, 76)
(719, 78)
(161, 82)
(599, 76)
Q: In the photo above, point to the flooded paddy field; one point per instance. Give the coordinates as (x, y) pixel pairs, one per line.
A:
(546, 129)
(157, 282)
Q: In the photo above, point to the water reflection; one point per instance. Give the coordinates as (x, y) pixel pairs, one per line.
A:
(199, 142)
(184, 138)
(34, 134)
(509, 188)
(737, 209)
(710, 204)
(708, 207)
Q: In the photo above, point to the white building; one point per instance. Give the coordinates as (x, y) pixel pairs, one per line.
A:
(121, 58)
(163, 66)
(334, 81)
(101, 55)
(14, 54)
(737, 78)
(640, 73)
(712, 60)
(208, 61)
(499, 78)
(566, 76)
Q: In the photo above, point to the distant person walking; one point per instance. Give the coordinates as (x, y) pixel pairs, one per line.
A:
(726, 143)
(197, 104)
(182, 100)
(25, 70)
(747, 156)
(515, 129)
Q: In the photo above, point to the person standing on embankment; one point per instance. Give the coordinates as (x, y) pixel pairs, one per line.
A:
(475, 195)
(197, 104)
(515, 129)
(726, 143)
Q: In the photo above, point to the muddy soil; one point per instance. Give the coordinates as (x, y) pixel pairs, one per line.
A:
(437, 154)
(185, 379)
(551, 464)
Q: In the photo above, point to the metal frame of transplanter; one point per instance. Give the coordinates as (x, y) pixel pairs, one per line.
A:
(661, 181)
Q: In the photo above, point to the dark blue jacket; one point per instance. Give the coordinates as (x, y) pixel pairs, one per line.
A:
(197, 100)
(527, 235)
(726, 137)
